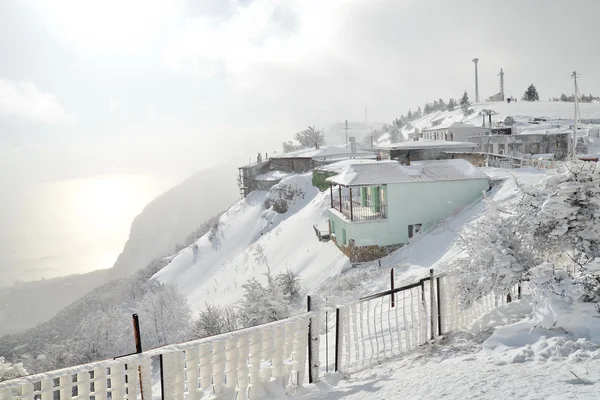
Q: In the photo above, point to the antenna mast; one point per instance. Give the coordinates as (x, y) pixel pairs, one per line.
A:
(575, 92)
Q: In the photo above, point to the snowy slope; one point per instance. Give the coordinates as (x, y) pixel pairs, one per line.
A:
(520, 111)
(249, 240)
(170, 218)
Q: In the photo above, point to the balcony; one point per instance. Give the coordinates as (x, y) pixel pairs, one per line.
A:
(355, 211)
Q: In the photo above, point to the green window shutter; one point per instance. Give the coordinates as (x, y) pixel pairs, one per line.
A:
(375, 197)
(363, 196)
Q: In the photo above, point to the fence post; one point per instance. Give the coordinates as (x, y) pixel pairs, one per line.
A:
(338, 340)
(438, 281)
(138, 348)
(314, 305)
(432, 304)
(393, 295)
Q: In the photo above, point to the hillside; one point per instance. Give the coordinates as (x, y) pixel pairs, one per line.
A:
(166, 222)
(520, 111)
(252, 238)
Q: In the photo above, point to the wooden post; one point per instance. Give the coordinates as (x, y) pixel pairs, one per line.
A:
(331, 192)
(519, 291)
(432, 303)
(351, 212)
(136, 334)
(326, 338)
(138, 348)
(340, 193)
(393, 295)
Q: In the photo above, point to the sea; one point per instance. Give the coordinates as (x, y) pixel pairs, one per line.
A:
(58, 228)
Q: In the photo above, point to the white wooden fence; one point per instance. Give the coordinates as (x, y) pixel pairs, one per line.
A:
(241, 364)
(237, 365)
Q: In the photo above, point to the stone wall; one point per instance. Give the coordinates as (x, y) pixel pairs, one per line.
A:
(297, 165)
(365, 253)
(402, 155)
(477, 159)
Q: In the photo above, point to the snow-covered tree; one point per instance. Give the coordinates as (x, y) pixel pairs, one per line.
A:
(164, 316)
(499, 252)
(311, 137)
(465, 104)
(531, 94)
(289, 146)
(214, 320)
(262, 304)
(11, 371)
(451, 104)
(289, 282)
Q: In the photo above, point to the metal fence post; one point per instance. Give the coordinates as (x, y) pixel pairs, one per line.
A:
(393, 295)
(338, 340)
(438, 281)
(432, 307)
(313, 304)
(138, 348)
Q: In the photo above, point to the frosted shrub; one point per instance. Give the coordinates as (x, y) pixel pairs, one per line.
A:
(281, 196)
(262, 304)
(11, 371)
(550, 236)
(214, 320)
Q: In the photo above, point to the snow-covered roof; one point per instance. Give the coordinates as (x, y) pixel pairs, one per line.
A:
(272, 176)
(329, 151)
(420, 144)
(340, 166)
(392, 172)
(445, 126)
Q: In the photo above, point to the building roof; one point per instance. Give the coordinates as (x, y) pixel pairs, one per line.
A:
(325, 152)
(422, 144)
(392, 172)
(453, 125)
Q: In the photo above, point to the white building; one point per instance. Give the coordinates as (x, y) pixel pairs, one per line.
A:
(454, 132)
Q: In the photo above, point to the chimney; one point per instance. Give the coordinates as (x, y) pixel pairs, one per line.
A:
(259, 158)
(352, 140)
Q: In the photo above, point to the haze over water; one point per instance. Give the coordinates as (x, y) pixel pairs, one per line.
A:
(73, 226)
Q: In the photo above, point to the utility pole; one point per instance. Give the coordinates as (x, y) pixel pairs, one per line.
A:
(476, 60)
(346, 129)
(575, 91)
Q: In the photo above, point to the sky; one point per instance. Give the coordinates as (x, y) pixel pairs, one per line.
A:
(96, 87)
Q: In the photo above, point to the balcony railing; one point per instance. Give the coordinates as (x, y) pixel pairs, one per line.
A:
(356, 211)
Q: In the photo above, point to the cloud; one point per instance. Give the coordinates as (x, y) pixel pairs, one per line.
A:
(24, 101)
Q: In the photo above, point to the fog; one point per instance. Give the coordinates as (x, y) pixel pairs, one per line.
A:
(168, 88)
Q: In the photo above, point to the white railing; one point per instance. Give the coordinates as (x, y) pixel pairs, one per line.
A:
(241, 363)
(400, 320)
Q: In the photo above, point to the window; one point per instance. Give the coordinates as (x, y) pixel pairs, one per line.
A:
(343, 236)
(414, 229)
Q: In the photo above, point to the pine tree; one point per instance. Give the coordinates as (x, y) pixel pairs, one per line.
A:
(531, 94)
(409, 115)
(451, 104)
(465, 103)
(428, 109)
(418, 113)
(441, 105)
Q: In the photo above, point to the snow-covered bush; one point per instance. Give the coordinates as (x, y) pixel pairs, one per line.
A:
(499, 253)
(281, 196)
(214, 320)
(262, 304)
(550, 237)
(11, 371)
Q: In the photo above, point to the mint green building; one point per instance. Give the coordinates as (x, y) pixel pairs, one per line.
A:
(377, 207)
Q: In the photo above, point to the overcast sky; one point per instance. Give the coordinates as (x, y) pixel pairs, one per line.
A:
(95, 87)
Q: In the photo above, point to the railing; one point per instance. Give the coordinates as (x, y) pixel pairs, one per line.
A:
(356, 211)
(241, 363)
(399, 320)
